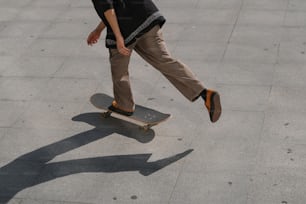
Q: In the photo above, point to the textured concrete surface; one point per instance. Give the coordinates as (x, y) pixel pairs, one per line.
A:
(56, 149)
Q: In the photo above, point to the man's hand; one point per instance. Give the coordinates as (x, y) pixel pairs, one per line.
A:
(93, 37)
(121, 47)
(112, 20)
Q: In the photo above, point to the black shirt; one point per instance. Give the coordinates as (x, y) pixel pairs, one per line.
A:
(135, 17)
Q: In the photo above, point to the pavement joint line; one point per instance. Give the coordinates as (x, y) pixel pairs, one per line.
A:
(231, 34)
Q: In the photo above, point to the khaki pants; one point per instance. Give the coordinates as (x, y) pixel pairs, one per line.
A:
(152, 48)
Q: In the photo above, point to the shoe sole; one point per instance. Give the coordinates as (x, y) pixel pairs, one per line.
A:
(215, 109)
(121, 112)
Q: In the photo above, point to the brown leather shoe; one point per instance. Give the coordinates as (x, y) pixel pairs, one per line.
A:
(213, 105)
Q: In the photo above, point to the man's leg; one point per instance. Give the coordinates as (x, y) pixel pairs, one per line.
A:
(121, 82)
(152, 48)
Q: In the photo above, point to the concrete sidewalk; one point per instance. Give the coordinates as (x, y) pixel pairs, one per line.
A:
(56, 149)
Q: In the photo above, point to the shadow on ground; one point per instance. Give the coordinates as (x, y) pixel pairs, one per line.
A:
(33, 168)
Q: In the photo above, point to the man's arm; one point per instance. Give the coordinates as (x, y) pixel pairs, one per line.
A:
(111, 17)
(100, 27)
(94, 36)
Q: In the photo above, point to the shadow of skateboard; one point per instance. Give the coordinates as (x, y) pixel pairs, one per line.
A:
(144, 117)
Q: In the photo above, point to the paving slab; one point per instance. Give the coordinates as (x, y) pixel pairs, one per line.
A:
(219, 4)
(12, 110)
(244, 73)
(297, 5)
(55, 147)
(266, 4)
(31, 67)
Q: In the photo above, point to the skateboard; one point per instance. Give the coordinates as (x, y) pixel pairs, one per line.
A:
(144, 117)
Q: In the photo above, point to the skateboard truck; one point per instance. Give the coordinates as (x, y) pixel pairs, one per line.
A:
(106, 114)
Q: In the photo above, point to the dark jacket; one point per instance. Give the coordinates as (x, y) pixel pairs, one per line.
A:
(135, 17)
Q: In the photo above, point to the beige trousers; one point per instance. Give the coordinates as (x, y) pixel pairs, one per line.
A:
(152, 48)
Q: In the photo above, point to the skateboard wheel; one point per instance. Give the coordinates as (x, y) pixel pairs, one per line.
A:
(106, 114)
(145, 127)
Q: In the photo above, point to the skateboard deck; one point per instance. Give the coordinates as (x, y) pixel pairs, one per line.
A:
(143, 117)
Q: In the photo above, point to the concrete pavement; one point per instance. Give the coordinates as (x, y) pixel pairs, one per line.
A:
(56, 149)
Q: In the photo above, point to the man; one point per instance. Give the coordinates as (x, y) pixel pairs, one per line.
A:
(136, 25)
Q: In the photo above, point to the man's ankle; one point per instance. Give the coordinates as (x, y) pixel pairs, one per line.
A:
(203, 94)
